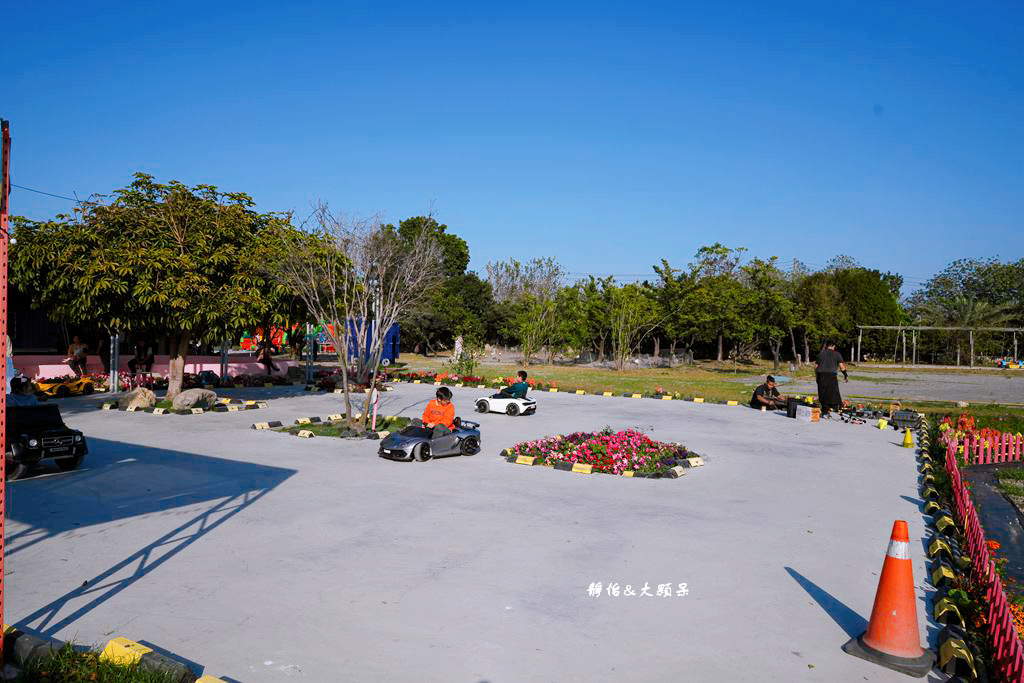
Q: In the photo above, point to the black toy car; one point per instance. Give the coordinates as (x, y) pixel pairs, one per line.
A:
(415, 442)
(36, 433)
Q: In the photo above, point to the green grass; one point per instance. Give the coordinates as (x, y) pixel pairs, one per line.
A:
(164, 403)
(70, 666)
(336, 429)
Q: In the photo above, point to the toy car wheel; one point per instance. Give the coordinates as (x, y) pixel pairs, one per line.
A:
(15, 470)
(68, 464)
(512, 410)
(88, 388)
(421, 452)
(63, 392)
(470, 446)
(482, 406)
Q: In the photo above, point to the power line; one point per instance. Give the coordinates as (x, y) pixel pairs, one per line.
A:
(48, 194)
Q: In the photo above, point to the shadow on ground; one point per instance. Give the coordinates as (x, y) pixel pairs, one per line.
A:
(120, 480)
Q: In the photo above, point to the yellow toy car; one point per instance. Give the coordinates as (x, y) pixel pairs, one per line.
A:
(60, 387)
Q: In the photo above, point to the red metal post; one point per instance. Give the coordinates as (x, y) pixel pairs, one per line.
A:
(5, 191)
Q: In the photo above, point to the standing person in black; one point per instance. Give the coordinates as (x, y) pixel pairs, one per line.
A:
(829, 363)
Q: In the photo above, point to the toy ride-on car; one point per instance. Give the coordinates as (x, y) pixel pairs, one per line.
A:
(416, 442)
(506, 404)
(36, 433)
(65, 387)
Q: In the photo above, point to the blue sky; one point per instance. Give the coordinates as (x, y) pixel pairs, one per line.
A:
(607, 135)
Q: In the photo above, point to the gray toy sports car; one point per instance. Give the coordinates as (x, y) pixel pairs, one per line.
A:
(415, 442)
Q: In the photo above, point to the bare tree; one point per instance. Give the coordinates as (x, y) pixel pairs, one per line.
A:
(358, 276)
(533, 287)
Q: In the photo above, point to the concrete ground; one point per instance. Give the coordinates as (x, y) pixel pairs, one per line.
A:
(264, 557)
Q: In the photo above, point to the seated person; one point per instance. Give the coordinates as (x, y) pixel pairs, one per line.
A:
(439, 415)
(143, 358)
(21, 393)
(768, 396)
(516, 390)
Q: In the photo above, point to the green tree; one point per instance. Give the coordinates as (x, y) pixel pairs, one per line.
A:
(633, 315)
(717, 297)
(768, 308)
(167, 259)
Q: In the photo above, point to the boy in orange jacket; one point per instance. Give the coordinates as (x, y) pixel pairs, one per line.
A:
(439, 414)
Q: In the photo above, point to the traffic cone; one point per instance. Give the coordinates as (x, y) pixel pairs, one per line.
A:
(891, 638)
(908, 439)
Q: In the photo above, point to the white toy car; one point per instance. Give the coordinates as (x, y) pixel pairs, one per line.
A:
(509, 406)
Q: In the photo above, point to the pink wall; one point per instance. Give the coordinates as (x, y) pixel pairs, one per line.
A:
(37, 367)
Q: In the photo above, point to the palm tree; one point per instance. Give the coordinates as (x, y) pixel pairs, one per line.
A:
(960, 311)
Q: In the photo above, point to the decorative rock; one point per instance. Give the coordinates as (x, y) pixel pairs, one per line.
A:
(139, 399)
(195, 398)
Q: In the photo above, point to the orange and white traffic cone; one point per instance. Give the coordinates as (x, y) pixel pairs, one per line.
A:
(892, 638)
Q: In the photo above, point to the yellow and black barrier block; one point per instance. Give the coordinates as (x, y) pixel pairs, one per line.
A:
(273, 424)
(698, 399)
(305, 434)
(944, 523)
(23, 647)
(582, 468)
(927, 479)
(929, 493)
(943, 574)
(946, 611)
(925, 468)
(335, 417)
(524, 459)
(957, 657)
(932, 506)
(307, 420)
(129, 653)
(580, 392)
(676, 472)
(108, 405)
(694, 461)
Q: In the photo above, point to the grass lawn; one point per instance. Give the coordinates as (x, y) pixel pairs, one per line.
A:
(337, 429)
(716, 382)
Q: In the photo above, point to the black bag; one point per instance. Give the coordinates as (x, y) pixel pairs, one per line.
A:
(791, 404)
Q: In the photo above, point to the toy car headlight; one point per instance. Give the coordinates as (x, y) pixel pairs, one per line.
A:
(78, 439)
(32, 443)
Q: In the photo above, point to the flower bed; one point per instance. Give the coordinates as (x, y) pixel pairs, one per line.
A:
(607, 451)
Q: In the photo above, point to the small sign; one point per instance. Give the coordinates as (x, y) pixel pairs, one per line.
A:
(666, 397)
(580, 392)
(525, 459)
(637, 396)
(305, 434)
(580, 468)
(553, 390)
(131, 409)
(607, 393)
(695, 461)
(197, 411)
(698, 399)
(159, 411)
(627, 473)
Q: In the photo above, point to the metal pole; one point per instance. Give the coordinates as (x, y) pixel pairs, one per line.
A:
(860, 338)
(5, 189)
(904, 347)
(972, 348)
(309, 354)
(1015, 347)
(914, 336)
(115, 362)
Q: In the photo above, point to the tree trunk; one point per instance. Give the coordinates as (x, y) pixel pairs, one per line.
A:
(176, 366)
(657, 346)
(807, 348)
(720, 342)
(600, 351)
(775, 346)
(792, 343)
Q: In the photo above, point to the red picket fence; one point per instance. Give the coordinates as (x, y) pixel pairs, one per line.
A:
(1003, 448)
(1008, 650)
